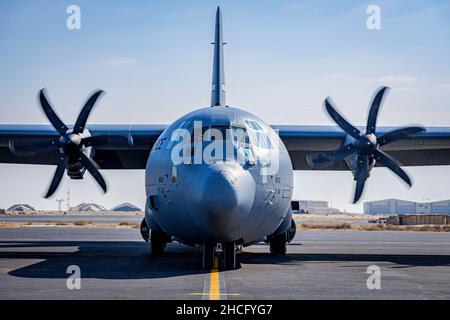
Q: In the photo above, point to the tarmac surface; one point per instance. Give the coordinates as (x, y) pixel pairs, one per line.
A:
(116, 264)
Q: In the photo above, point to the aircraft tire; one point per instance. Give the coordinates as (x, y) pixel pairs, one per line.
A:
(158, 243)
(145, 231)
(208, 255)
(229, 254)
(278, 245)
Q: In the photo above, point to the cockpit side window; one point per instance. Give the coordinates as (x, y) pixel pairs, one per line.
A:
(253, 125)
(183, 126)
(243, 147)
(263, 140)
(259, 137)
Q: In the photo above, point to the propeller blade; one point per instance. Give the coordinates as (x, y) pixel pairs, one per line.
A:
(325, 159)
(361, 176)
(51, 115)
(90, 166)
(85, 111)
(105, 140)
(398, 134)
(389, 162)
(59, 172)
(373, 112)
(24, 148)
(344, 124)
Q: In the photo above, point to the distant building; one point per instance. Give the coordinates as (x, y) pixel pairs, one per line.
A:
(21, 207)
(89, 207)
(312, 206)
(396, 206)
(126, 207)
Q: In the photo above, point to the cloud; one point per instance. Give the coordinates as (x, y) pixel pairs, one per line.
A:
(395, 79)
(121, 61)
(445, 86)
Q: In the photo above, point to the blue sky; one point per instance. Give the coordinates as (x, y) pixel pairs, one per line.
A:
(153, 58)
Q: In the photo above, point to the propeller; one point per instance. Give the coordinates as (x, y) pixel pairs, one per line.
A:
(365, 146)
(71, 143)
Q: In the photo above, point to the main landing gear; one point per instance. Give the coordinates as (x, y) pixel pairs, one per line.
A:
(157, 239)
(278, 244)
(215, 253)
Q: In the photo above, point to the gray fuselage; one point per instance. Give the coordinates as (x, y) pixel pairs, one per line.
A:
(221, 198)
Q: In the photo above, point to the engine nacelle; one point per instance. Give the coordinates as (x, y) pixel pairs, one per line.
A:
(352, 160)
(75, 169)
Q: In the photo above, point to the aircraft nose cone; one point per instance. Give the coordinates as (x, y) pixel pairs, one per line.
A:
(223, 199)
(220, 195)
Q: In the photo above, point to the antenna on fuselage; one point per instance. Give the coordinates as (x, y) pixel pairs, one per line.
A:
(218, 77)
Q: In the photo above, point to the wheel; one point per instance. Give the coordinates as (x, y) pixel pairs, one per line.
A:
(278, 245)
(158, 243)
(145, 231)
(229, 254)
(290, 233)
(208, 255)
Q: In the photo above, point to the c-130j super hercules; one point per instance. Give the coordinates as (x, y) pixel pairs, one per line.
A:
(220, 177)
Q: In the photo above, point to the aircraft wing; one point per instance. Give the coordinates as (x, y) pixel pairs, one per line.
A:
(112, 156)
(422, 149)
(428, 148)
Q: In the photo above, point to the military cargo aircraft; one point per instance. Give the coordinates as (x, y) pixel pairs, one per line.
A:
(219, 177)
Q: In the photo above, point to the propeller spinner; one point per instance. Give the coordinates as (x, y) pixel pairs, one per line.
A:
(366, 146)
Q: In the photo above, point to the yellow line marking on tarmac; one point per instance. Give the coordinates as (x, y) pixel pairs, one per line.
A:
(214, 288)
(212, 285)
(207, 294)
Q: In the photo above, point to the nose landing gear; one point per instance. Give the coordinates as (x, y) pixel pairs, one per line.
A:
(229, 255)
(226, 253)
(208, 255)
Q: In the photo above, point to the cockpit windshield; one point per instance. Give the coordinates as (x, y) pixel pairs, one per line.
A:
(215, 139)
(211, 133)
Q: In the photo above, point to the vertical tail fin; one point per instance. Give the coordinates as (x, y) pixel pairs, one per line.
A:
(218, 77)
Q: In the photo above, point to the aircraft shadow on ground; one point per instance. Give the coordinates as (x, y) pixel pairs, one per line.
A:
(398, 261)
(100, 259)
(132, 259)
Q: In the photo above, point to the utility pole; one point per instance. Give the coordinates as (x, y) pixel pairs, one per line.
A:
(68, 200)
(59, 204)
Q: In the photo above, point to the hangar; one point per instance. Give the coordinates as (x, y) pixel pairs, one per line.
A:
(312, 206)
(88, 207)
(126, 207)
(21, 207)
(396, 206)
